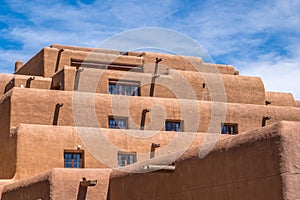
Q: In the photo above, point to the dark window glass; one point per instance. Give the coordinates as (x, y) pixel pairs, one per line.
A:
(123, 88)
(230, 129)
(73, 159)
(117, 122)
(126, 158)
(172, 126)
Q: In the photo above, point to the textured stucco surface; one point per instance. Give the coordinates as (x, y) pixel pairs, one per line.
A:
(280, 99)
(41, 116)
(4, 80)
(59, 184)
(260, 164)
(25, 103)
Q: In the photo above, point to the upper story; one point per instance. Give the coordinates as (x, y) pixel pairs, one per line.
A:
(140, 74)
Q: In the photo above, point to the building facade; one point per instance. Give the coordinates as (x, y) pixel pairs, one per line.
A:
(75, 107)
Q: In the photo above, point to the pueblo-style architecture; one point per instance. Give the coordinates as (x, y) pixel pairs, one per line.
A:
(82, 123)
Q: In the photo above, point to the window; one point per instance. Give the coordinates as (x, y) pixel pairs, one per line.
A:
(126, 158)
(230, 129)
(130, 88)
(117, 122)
(74, 158)
(174, 125)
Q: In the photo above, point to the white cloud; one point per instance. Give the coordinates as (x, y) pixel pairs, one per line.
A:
(281, 75)
(254, 36)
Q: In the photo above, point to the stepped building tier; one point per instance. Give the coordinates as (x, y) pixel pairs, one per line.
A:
(143, 125)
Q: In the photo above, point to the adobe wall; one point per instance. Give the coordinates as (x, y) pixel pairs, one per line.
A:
(247, 166)
(38, 190)
(280, 99)
(172, 84)
(25, 81)
(60, 184)
(290, 157)
(64, 79)
(26, 101)
(33, 155)
(4, 80)
(34, 67)
(67, 55)
(7, 141)
(238, 89)
(177, 62)
(87, 49)
(171, 61)
(44, 63)
(52, 59)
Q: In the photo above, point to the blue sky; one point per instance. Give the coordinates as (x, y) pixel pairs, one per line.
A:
(260, 38)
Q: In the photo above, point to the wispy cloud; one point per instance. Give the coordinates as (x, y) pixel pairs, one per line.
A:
(254, 36)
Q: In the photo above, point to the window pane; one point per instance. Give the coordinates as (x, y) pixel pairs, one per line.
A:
(112, 123)
(127, 90)
(121, 124)
(123, 88)
(224, 129)
(176, 126)
(135, 91)
(172, 126)
(168, 126)
(230, 129)
(76, 160)
(73, 160)
(68, 160)
(125, 159)
(118, 123)
(111, 88)
(118, 89)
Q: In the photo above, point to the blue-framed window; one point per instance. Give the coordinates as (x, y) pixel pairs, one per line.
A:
(122, 87)
(73, 159)
(117, 122)
(171, 125)
(126, 158)
(229, 128)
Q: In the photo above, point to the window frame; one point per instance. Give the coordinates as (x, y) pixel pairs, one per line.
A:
(122, 84)
(228, 125)
(126, 153)
(125, 119)
(72, 151)
(181, 124)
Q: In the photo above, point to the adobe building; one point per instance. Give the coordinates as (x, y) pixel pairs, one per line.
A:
(83, 123)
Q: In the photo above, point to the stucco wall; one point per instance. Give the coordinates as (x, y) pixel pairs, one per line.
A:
(44, 150)
(249, 166)
(34, 67)
(173, 84)
(7, 141)
(24, 81)
(52, 59)
(280, 99)
(25, 103)
(4, 80)
(38, 190)
(67, 55)
(87, 49)
(42, 64)
(60, 184)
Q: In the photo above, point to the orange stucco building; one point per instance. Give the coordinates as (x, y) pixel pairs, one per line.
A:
(208, 131)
